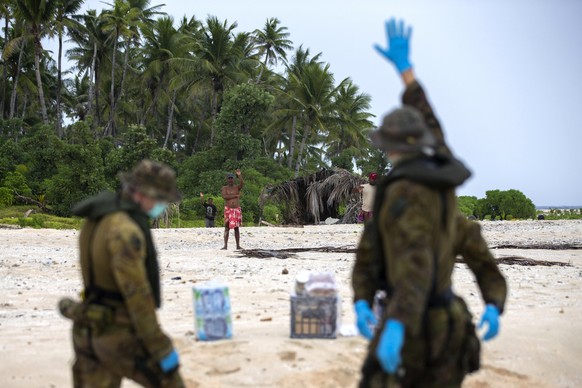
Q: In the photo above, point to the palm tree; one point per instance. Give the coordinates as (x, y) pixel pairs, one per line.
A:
(272, 42)
(15, 44)
(220, 59)
(6, 14)
(89, 54)
(37, 15)
(294, 108)
(163, 43)
(351, 121)
(124, 20)
(315, 92)
(64, 9)
(115, 25)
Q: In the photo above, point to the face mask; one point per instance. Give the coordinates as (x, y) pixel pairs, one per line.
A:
(157, 210)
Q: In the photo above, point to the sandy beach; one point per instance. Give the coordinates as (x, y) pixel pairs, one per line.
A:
(540, 343)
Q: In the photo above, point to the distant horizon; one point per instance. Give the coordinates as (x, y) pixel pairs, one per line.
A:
(558, 207)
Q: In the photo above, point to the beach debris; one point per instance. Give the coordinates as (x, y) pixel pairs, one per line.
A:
(553, 247)
(290, 253)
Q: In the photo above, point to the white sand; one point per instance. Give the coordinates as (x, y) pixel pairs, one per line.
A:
(540, 344)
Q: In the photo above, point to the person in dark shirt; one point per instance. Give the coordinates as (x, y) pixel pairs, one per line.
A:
(210, 211)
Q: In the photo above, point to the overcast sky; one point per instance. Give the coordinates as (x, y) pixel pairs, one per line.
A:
(504, 76)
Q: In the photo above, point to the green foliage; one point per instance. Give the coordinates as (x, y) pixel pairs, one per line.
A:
(16, 182)
(344, 160)
(42, 152)
(80, 173)
(562, 214)
(14, 215)
(467, 205)
(6, 198)
(500, 204)
(244, 107)
(376, 161)
(272, 214)
(135, 146)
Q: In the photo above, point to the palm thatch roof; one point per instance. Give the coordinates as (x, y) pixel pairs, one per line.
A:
(315, 197)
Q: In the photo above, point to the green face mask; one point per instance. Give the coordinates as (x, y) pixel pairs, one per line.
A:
(157, 210)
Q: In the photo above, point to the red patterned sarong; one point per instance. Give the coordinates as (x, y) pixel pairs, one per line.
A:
(233, 216)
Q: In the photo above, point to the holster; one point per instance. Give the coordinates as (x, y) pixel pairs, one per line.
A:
(93, 315)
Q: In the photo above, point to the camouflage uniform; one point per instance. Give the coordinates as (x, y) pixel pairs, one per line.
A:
(116, 333)
(409, 249)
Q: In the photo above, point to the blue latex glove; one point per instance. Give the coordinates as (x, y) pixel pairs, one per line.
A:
(398, 36)
(491, 317)
(390, 345)
(364, 318)
(170, 362)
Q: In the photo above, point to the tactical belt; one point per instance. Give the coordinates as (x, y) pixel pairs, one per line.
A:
(441, 300)
(97, 294)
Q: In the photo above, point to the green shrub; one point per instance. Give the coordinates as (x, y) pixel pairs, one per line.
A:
(6, 197)
(272, 214)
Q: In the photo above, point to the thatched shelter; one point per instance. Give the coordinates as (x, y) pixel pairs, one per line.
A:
(313, 198)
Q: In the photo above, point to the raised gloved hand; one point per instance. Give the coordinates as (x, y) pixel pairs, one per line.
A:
(170, 362)
(364, 318)
(491, 317)
(390, 345)
(398, 36)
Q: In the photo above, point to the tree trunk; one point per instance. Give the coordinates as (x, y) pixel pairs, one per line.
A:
(306, 129)
(98, 95)
(124, 73)
(292, 142)
(15, 85)
(154, 100)
(91, 81)
(214, 114)
(59, 126)
(37, 50)
(4, 72)
(170, 119)
(110, 128)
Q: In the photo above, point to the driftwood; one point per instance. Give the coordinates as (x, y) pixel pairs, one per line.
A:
(31, 201)
(290, 253)
(263, 222)
(553, 247)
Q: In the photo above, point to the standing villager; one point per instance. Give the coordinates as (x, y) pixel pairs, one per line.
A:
(232, 210)
(116, 332)
(209, 211)
(425, 337)
(368, 191)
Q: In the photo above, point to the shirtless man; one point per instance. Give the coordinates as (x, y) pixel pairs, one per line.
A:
(232, 211)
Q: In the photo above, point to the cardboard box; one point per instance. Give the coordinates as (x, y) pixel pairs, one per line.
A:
(213, 319)
(315, 316)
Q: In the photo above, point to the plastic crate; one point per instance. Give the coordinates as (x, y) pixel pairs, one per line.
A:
(212, 312)
(315, 316)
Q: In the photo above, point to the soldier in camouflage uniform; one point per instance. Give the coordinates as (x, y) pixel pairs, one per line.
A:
(425, 337)
(116, 332)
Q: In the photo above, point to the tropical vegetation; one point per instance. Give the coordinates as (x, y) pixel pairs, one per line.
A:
(198, 94)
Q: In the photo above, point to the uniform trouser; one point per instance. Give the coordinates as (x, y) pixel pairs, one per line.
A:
(440, 357)
(103, 360)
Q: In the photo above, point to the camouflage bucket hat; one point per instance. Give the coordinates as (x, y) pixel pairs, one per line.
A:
(155, 179)
(403, 130)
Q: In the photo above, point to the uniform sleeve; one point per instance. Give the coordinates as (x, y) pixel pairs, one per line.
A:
(128, 252)
(415, 97)
(364, 275)
(473, 247)
(406, 227)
